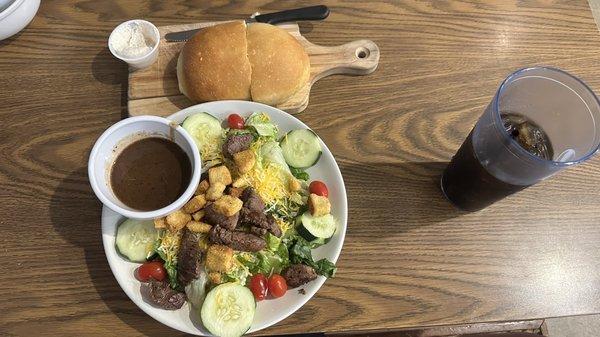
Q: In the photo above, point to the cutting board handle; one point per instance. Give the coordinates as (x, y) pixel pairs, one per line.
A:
(359, 57)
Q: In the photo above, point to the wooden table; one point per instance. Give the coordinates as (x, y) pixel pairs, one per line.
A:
(409, 258)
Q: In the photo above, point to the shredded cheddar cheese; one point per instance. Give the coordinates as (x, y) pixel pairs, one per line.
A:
(268, 179)
(169, 244)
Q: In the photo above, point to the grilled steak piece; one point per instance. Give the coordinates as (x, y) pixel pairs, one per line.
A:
(212, 217)
(161, 295)
(189, 258)
(241, 241)
(236, 143)
(258, 231)
(252, 200)
(298, 274)
(260, 220)
(273, 226)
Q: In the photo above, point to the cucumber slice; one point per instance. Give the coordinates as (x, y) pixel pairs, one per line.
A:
(135, 239)
(228, 310)
(301, 148)
(207, 132)
(312, 228)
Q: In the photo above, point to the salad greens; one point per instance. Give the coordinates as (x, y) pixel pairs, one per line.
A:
(261, 122)
(270, 152)
(270, 177)
(239, 273)
(271, 260)
(196, 290)
(167, 246)
(280, 253)
(299, 173)
(300, 252)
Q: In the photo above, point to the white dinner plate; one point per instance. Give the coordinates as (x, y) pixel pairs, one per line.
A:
(268, 312)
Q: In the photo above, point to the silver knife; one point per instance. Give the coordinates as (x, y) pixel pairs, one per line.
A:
(305, 13)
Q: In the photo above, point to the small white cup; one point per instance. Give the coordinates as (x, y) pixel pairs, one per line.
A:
(123, 133)
(151, 32)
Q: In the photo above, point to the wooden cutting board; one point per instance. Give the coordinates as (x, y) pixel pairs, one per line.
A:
(154, 90)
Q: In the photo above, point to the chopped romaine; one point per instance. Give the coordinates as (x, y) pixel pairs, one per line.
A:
(299, 173)
(261, 122)
(196, 290)
(167, 247)
(300, 252)
(271, 153)
(268, 261)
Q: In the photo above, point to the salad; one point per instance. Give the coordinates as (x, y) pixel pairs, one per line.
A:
(247, 234)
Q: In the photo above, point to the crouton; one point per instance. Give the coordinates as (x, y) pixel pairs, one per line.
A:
(228, 205)
(244, 160)
(294, 184)
(202, 187)
(198, 215)
(215, 191)
(203, 243)
(177, 220)
(219, 174)
(198, 227)
(215, 277)
(219, 258)
(318, 205)
(160, 223)
(235, 192)
(240, 183)
(195, 204)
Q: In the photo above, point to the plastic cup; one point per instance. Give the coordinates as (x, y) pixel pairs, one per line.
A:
(491, 164)
(150, 32)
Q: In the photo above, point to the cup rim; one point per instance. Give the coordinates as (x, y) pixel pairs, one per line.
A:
(498, 119)
(11, 8)
(134, 59)
(175, 205)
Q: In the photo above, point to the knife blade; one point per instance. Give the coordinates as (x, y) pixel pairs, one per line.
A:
(306, 13)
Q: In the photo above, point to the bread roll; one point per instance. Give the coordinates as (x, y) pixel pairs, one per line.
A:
(280, 65)
(213, 65)
(231, 61)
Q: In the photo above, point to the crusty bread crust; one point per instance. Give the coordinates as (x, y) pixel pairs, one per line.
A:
(261, 62)
(280, 65)
(213, 64)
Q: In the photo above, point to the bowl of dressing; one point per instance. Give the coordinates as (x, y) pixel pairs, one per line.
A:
(135, 42)
(144, 167)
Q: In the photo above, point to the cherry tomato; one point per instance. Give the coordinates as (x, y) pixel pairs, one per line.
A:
(235, 121)
(153, 270)
(277, 285)
(258, 286)
(318, 188)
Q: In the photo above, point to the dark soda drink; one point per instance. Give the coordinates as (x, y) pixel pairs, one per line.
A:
(540, 121)
(469, 185)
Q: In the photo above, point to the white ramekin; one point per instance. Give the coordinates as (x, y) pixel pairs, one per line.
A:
(118, 136)
(16, 16)
(143, 61)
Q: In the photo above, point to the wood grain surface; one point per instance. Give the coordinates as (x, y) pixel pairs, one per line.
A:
(409, 258)
(155, 90)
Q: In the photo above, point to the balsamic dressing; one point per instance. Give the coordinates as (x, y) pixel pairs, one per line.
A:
(150, 174)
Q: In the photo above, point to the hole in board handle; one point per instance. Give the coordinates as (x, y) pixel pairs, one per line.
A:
(362, 52)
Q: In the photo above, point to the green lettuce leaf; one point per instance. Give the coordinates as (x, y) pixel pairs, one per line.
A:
(169, 263)
(325, 267)
(300, 252)
(271, 260)
(271, 152)
(299, 173)
(261, 122)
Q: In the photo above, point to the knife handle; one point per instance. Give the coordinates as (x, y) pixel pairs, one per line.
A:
(305, 13)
